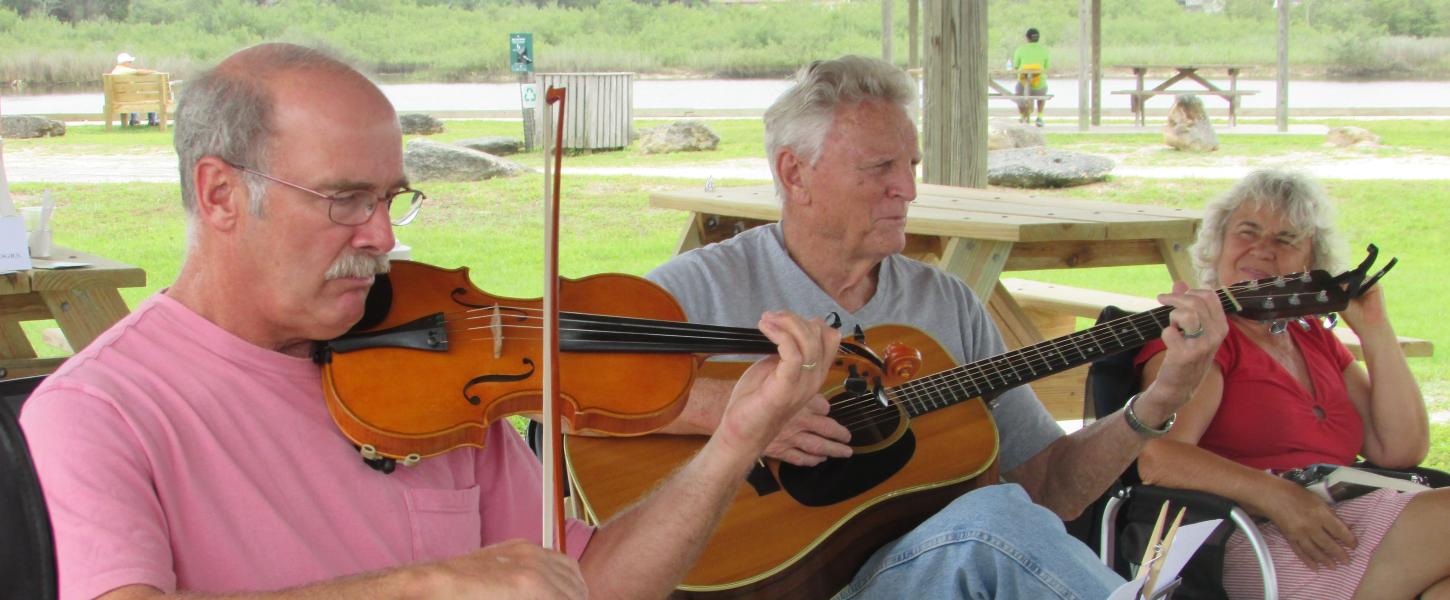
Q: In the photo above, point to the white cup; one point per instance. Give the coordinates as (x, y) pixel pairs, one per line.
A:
(32, 216)
(40, 246)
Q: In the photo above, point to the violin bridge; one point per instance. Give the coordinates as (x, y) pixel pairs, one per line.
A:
(496, 323)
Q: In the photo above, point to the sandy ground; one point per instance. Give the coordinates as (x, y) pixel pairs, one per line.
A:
(27, 166)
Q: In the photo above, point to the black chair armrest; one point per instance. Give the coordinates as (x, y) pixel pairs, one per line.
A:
(1201, 505)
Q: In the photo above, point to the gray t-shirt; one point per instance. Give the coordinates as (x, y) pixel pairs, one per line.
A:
(733, 282)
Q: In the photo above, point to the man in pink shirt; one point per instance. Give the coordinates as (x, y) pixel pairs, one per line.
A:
(188, 449)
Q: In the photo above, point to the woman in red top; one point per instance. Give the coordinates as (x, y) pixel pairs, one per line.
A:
(1282, 398)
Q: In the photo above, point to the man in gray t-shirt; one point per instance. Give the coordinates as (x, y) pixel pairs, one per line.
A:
(843, 151)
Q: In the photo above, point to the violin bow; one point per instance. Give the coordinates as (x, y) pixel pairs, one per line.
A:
(553, 455)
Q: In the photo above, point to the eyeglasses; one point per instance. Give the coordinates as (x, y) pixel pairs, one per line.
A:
(355, 207)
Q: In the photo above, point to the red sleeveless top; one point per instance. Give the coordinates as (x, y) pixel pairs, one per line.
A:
(1266, 420)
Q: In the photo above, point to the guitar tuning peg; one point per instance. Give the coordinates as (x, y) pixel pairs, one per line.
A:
(1294, 300)
(1321, 297)
(1280, 282)
(1303, 324)
(1268, 304)
(1330, 320)
(1278, 326)
(1304, 277)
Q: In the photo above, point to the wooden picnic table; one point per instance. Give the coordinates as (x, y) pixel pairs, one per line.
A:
(1138, 96)
(977, 235)
(83, 301)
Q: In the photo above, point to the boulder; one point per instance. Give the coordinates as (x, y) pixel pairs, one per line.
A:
(1041, 167)
(497, 145)
(1003, 135)
(427, 160)
(28, 126)
(1188, 127)
(1345, 137)
(680, 136)
(419, 124)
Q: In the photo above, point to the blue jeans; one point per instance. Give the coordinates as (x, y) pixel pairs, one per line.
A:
(991, 543)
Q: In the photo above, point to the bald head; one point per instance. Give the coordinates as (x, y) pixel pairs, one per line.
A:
(230, 111)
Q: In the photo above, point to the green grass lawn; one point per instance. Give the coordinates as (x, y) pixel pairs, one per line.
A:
(493, 227)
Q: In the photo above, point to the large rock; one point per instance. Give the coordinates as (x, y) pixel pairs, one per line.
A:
(1042, 167)
(427, 160)
(419, 124)
(497, 145)
(1004, 135)
(27, 126)
(1344, 137)
(680, 136)
(1188, 128)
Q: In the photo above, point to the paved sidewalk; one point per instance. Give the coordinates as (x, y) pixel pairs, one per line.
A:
(25, 166)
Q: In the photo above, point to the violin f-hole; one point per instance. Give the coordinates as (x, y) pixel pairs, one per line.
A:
(475, 400)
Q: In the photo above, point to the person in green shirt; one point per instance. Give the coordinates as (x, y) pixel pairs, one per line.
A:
(1031, 62)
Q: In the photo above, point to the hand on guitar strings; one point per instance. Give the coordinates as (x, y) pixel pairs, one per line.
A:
(776, 388)
(1196, 327)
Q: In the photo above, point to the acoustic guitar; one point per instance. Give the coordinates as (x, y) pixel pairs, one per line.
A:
(804, 531)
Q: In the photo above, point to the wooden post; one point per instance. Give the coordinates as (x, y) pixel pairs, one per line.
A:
(886, 29)
(913, 34)
(955, 121)
(1084, 63)
(1281, 104)
(1097, 62)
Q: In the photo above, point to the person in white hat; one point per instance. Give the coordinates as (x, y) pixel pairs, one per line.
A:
(125, 64)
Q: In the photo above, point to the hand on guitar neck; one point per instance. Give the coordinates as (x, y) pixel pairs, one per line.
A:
(1197, 325)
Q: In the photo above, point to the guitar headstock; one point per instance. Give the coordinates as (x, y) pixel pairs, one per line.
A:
(1305, 293)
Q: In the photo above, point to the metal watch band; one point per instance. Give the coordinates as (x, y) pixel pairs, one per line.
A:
(1141, 428)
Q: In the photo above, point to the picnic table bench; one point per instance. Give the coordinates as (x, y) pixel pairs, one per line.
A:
(137, 93)
(1002, 92)
(1138, 96)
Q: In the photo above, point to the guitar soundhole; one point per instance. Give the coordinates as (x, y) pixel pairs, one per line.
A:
(870, 423)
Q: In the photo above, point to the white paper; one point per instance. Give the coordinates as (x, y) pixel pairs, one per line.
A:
(14, 251)
(1185, 543)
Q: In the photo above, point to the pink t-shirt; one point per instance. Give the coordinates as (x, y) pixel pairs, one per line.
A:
(176, 455)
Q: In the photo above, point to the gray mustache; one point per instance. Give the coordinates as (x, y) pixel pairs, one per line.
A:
(358, 265)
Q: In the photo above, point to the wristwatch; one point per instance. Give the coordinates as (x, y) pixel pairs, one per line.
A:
(1138, 426)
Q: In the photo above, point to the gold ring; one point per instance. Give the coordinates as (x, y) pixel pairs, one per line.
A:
(1188, 335)
(808, 366)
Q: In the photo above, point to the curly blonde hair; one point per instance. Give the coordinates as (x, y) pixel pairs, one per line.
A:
(1289, 193)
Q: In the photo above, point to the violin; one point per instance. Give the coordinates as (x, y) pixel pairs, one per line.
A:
(434, 361)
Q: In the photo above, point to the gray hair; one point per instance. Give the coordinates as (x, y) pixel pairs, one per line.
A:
(1289, 193)
(227, 113)
(802, 116)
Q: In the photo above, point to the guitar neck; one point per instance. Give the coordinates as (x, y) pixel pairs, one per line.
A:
(991, 376)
